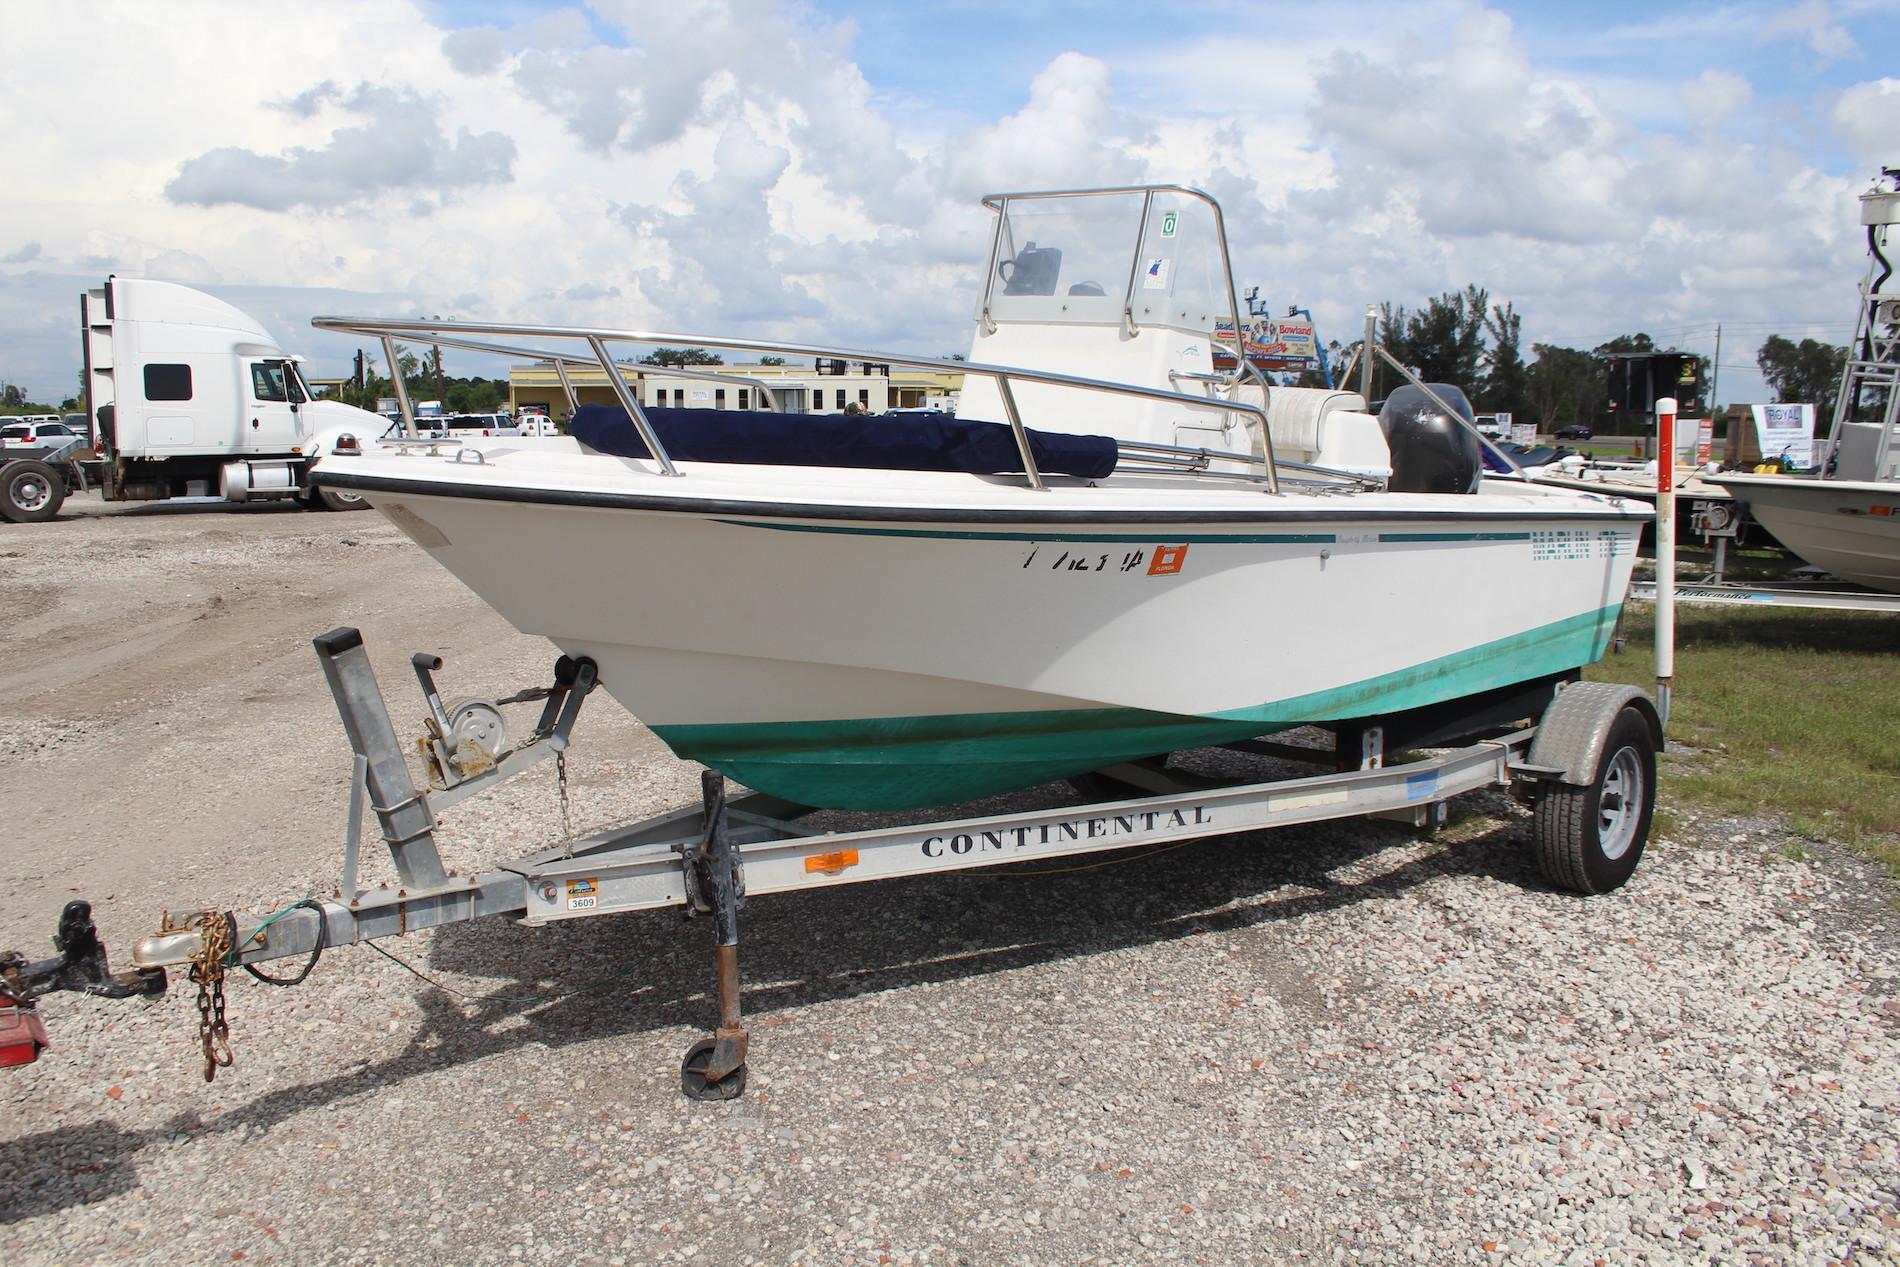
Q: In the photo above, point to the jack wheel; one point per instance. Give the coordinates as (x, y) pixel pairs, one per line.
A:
(697, 1086)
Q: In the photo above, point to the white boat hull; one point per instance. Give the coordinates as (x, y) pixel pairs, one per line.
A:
(1848, 527)
(873, 659)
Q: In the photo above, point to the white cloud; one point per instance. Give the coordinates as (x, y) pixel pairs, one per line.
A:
(1715, 95)
(478, 50)
(1868, 117)
(730, 165)
(1814, 21)
(399, 146)
(1063, 136)
(1473, 142)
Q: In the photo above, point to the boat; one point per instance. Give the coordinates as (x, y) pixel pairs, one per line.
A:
(1844, 517)
(1114, 552)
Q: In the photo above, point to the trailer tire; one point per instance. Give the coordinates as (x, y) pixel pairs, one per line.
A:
(30, 492)
(1590, 837)
(341, 499)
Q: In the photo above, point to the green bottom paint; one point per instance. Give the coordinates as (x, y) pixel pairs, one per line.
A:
(896, 763)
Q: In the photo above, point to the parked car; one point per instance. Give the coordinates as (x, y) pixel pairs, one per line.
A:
(485, 424)
(37, 435)
(1575, 431)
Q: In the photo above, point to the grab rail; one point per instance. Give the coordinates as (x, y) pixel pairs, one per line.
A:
(597, 340)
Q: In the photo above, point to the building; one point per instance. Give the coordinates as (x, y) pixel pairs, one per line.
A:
(826, 387)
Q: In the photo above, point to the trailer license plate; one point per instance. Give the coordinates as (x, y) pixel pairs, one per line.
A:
(583, 895)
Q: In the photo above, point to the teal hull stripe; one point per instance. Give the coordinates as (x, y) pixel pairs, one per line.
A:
(1454, 536)
(1145, 538)
(909, 762)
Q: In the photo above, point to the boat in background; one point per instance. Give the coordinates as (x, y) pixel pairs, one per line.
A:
(1845, 517)
(893, 612)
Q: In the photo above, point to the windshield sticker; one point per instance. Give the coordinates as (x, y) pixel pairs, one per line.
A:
(1155, 276)
(1169, 223)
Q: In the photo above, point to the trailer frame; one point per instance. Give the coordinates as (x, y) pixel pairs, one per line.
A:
(709, 858)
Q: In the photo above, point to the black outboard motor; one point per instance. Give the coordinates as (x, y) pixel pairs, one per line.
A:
(1431, 453)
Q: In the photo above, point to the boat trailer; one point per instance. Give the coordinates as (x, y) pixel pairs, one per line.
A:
(1585, 761)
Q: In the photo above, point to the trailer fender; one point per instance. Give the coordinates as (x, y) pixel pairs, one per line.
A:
(1572, 732)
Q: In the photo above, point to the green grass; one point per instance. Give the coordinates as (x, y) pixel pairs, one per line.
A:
(1601, 446)
(1795, 714)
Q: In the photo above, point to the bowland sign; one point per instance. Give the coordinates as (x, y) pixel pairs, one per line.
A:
(1276, 344)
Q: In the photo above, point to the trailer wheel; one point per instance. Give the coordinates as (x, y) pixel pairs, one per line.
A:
(30, 492)
(697, 1086)
(1590, 837)
(341, 499)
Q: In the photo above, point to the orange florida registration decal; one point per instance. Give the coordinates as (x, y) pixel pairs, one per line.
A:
(1167, 560)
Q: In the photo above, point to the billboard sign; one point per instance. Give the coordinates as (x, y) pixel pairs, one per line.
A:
(1786, 430)
(1286, 343)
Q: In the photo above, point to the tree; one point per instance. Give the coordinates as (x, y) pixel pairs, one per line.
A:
(1637, 342)
(1564, 385)
(473, 396)
(1809, 371)
(1507, 380)
(1443, 342)
(13, 400)
(1446, 338)
(771, 360)
(682, 356)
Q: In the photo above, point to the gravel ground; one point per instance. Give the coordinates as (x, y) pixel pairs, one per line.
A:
(1338, 1044)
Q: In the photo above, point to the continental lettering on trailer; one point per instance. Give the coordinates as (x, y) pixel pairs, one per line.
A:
(583, 894)
(1008, 840)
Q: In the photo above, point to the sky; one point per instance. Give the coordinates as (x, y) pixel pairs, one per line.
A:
(812, 172)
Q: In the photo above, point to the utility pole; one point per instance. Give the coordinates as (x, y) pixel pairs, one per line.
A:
(1715, 370)
(1365, 359)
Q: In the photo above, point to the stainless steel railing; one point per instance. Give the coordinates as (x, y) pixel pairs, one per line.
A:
(480, 337)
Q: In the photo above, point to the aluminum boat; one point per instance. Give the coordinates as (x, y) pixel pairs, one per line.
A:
(1113, 552)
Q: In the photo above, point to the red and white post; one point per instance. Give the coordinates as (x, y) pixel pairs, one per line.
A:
(1665, 552)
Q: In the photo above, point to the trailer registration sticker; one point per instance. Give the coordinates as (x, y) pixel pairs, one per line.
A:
(583, 894)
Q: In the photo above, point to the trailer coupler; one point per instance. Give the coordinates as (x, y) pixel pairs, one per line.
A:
(80, 966)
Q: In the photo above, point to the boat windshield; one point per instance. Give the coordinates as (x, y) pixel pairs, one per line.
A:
(1086, 259)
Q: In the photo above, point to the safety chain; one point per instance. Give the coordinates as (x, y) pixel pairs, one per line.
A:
(207, 972)
(567, 817)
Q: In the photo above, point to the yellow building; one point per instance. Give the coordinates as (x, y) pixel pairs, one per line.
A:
(829, 387)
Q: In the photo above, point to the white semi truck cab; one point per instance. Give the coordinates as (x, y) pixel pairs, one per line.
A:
(191, 398)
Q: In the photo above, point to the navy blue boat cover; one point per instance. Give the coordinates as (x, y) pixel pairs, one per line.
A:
(892, 442)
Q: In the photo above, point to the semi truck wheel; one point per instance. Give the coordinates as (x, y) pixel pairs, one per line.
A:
(30, 492)
(341, 499)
